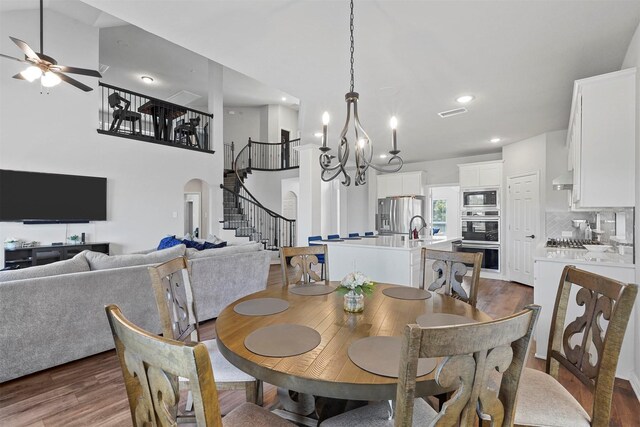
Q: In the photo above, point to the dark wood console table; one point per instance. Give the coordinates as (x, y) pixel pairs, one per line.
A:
(40, 255)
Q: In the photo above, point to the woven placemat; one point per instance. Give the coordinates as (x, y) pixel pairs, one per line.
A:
(312, 290)
(381, 356)
(442, 319)
(405, 292)
(261, 306)
(282, 340)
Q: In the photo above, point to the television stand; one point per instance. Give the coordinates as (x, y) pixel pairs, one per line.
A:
(46, 254)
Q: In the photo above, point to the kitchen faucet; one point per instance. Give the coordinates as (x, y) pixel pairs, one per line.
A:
(424, 224)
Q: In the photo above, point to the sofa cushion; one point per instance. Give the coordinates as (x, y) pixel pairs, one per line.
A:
(99, 261)
(228, 250)
(169, 242)
(77, 264)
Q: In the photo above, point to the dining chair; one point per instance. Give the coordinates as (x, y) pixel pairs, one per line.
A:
(450, 269)
(302, 260)
(151, 366)
(179, 318)
(122, 112)
(320, 257)
(186, 132)
(586, 347)
(473, 353)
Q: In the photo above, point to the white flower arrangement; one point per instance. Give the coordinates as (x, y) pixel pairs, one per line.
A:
(356, 282)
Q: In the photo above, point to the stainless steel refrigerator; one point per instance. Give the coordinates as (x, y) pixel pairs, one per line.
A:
(394, 213)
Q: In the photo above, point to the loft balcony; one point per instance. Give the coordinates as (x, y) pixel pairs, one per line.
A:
(127, 114)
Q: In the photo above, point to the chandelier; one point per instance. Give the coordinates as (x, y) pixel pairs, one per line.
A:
(363, 146)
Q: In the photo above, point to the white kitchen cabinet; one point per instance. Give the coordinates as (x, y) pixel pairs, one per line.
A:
(601, 141)
(546, 281)
(483, 174)
(400, 184)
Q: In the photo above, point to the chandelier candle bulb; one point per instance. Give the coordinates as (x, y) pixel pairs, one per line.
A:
(394, 142)
(325, 125)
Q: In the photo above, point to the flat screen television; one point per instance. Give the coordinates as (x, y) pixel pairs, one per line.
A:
(34, 197)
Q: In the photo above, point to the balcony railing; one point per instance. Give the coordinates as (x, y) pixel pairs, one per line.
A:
(265, 156)
(129, 114)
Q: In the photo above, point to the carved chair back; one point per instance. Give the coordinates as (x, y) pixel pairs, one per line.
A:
(151, 366)
(450, 268)
(174, 297)
(302, 260)
(471, 353)
(587, 347)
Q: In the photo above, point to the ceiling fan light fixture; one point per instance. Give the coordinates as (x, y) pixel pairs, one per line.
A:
(31, 73)
(50, 79)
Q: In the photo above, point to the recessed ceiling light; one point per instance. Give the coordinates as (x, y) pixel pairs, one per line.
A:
(383, 156)
(464, 99)
(284, 98)
(148, 80)
(231, 112)
(318, 134)
(494, 140)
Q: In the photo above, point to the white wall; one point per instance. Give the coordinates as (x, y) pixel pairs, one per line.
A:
(57, 133)
(267, 187)
(288, 120)
(242, 125)
(632, 59)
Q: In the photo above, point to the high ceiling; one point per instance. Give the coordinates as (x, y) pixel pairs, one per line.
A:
(413, 58)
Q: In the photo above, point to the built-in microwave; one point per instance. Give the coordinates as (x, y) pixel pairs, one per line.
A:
(480, 198)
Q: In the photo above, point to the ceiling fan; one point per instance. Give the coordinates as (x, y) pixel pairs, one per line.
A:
(45, 67)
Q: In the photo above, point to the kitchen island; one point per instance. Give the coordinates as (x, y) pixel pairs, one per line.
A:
(547, 270)
(386, 258)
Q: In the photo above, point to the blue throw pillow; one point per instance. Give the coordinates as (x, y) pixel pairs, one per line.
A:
(169, 242)
(193, 244)
(209, 245)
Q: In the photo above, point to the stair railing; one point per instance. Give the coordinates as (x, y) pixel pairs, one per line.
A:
(229, 148)
(264, 225)
(265, 156)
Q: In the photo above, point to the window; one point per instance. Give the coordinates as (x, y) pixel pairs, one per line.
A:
(439, 216)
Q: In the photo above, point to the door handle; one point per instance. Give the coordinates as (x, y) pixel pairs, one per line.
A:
(533, 236)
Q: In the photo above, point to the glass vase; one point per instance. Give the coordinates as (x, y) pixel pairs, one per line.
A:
(353, 302)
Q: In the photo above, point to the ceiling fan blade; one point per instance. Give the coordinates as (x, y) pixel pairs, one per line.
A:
(26, 49)
(11, 57)
(19, 77)
(73, 82)
(76, 70)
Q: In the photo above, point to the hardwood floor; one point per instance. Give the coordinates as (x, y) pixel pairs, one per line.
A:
(90, 392)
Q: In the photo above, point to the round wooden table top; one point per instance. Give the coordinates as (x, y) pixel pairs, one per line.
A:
(327, 369)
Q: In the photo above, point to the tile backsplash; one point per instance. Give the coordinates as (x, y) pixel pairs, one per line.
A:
(557, 222)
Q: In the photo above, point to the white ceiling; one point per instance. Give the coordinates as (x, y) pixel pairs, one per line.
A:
(413, 58)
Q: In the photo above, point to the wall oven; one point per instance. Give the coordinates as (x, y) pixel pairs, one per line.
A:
(481, 229)
(490, 254)
(480, 198)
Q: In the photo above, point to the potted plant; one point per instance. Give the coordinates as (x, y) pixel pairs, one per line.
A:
(11, 243)
(354, 286)
(74, 239)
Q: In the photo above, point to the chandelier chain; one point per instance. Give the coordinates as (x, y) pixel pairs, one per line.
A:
(352, 48)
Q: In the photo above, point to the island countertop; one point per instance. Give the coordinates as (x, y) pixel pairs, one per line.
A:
(582, 256)
(394, 242)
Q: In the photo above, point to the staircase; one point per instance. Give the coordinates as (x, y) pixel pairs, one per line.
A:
(242, 211)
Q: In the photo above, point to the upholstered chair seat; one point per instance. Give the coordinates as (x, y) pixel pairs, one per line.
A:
(252, 415)
(540, 390)
(225, 371)
(377, 415)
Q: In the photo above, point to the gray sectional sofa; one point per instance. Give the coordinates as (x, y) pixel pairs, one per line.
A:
(54, 314)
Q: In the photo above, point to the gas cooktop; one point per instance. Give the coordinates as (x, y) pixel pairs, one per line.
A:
(570, 243)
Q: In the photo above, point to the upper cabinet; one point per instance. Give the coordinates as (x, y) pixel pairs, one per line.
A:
(601, 140)
(400, 184)
(483, 174)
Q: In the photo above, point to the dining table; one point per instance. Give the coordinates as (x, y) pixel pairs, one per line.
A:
(163, 114)
(327, 369)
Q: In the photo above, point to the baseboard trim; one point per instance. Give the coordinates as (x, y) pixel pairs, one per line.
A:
(635, 384)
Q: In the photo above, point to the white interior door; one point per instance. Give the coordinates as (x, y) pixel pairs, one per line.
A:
(523, 201)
